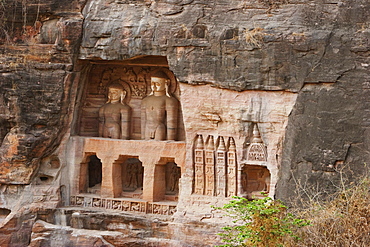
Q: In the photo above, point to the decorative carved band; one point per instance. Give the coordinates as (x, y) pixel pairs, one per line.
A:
(123, 205)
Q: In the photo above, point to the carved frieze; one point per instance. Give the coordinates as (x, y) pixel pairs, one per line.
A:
(123, 205)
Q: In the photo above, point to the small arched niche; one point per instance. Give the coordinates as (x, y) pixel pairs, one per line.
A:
(255, 181)
(90, 175)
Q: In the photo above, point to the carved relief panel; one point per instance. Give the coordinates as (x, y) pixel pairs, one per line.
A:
(215, 166)
(173, 174)
(255, 177)
(256, 151)
(121, 101)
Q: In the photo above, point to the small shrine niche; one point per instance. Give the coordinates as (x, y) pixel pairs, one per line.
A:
(132, 175)
(255, 181)
(116, 95)
(255, 177)
(173, 175)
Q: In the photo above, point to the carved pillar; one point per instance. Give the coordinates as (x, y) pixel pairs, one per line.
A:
(231, 169)
(154, 186)
(83, 177)
(111, 173)
(240, 178)
(117, 178)
(221, 168)
(199, 166)
(159, 186)
(210, 167)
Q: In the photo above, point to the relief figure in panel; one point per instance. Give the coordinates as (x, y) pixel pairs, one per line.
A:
(159, 111)
(115, 115)
(173, 174)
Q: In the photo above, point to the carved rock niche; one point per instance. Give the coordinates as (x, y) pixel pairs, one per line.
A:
(132, 81)
(255, 176)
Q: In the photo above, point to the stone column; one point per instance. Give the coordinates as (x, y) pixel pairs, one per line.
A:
(154, 185)
(83, 176)
(199, 166)
(111, 174)
(210, 167)
(221, 165)
(231, 169)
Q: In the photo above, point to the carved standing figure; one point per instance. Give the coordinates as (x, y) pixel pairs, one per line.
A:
(159, 111)
(115, 115)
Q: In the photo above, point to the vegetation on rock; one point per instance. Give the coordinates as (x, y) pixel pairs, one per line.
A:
(341, 221)
(260, 223)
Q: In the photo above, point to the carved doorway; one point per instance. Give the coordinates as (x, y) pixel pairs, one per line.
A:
(90, 177)
(255, 181)
(94, 175)
(132, 174)
(173, 175)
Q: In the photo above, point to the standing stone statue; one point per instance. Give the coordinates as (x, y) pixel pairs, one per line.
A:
(159, 111)
(115, 115)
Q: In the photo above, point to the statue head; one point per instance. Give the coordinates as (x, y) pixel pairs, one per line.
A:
(159, 82)
(116, 93)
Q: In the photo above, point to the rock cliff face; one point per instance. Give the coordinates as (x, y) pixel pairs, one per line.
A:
(291, 76)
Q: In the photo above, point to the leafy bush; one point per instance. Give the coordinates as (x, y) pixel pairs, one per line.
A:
(261, 222)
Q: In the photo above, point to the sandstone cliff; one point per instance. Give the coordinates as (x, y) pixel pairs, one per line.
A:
(298, 69)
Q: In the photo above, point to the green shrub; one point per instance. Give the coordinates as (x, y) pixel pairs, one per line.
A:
(261, 222)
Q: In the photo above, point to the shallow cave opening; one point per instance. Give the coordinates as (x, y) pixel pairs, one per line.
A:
(94, 171)
(4, 212)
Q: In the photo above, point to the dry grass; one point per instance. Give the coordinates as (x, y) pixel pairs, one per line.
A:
(343, 221)
(254, 37)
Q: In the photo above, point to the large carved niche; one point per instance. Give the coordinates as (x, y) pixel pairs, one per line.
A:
(132, 80)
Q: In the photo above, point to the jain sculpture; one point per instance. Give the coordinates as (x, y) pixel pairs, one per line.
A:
(159, 110)
(115, 115)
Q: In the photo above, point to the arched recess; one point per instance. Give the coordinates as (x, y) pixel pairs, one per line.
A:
(255, 181)
(90, 174)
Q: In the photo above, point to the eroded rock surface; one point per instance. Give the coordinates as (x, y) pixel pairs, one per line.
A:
(296, 71)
